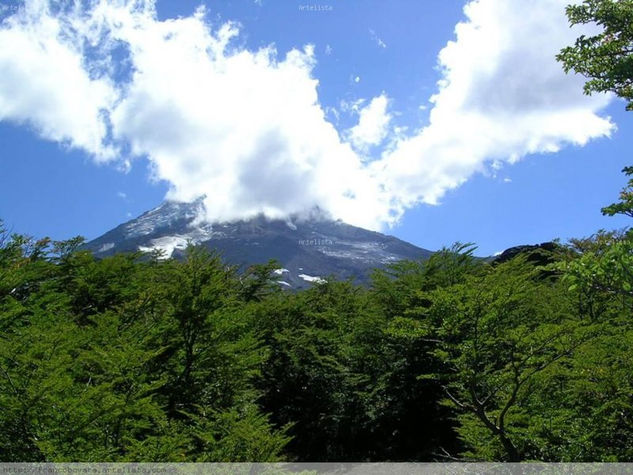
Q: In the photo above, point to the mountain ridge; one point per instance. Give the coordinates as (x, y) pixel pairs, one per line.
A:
(308, 249)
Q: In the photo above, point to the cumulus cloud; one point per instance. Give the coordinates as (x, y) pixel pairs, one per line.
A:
(373, 123)
(245, 127)
(45, 84)
(502, 96)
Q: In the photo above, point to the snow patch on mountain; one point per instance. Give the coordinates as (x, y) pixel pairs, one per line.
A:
(310, 278)
(168, 244)
(106, 247)
(167, 214)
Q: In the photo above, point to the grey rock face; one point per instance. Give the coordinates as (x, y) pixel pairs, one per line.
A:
(307, 249)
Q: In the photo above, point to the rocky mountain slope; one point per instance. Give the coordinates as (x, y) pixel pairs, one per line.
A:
(307, 249)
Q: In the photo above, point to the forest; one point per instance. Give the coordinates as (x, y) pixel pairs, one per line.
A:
(136, 358)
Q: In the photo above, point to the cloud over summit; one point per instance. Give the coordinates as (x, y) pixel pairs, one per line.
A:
(246, 127)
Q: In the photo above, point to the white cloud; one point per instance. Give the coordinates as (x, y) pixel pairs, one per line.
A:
(246, 128)
(43, 81)
(373, 124)
(352, 106)
(502, 96)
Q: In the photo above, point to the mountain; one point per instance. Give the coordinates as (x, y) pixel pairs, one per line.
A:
(307, 249)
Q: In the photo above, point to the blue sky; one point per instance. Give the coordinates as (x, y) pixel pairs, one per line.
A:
(95, 130)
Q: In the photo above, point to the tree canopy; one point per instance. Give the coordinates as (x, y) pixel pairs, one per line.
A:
(134, 358)
(605, 58)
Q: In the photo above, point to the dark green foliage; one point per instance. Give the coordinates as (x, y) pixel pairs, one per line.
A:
(497, 333)
(603, 265)
(606, 58)
(126, 360)
(311, 378)
(137, 358)
(625, 205)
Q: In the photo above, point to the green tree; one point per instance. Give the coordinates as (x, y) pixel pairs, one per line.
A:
(496, 334)
(126, 358)
(606, 58)
(308, 380)
(603, 265)
(625, 205)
